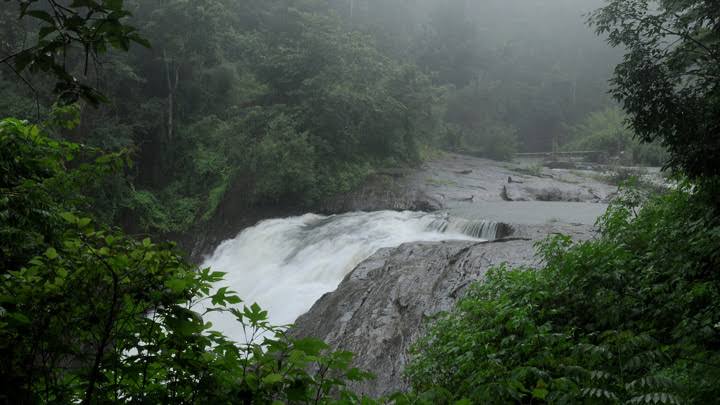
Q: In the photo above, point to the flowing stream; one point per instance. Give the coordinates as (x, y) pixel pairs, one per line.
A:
(285, 265)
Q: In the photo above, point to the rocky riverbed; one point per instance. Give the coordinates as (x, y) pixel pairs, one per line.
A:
(385, 303)
(474, 187)
(469, 186)
(381, 288)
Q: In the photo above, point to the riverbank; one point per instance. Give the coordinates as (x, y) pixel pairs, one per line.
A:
(459, 182)
(465, 186)
(383, 305)
(368, 269)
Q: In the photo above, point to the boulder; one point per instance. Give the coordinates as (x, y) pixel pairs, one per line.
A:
(384, 305)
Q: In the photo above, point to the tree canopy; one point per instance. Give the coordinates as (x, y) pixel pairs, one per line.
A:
(284, 103)
(79, 31)
(668, 80)
(630, 316)
(90, 315)
(349, 90)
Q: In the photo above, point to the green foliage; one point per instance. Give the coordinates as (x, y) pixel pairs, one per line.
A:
(508, 66)
(35, 178)
(493, 141)
(667, 82)
(608, 131)
(476, 126)
(89, 315)
(343, 177)
(278, 105)
(13, 100)
(209, 114)
(153, 213)
(450, 46)
(630, 317)
(285, 161)
(89, 27)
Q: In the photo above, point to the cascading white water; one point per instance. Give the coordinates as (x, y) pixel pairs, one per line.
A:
(486, 230)
(285, 265)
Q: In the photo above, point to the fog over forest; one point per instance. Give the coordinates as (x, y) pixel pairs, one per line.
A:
(533, 65)
(355, 85)
(359, 201)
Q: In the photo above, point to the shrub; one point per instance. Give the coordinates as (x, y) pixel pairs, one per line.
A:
(631, 316)
(283, 162)
(90, 315)
(608, 131)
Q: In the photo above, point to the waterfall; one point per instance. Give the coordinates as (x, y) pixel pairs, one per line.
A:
(480, 229)
(285, 265)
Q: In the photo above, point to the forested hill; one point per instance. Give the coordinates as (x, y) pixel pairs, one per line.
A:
(285, 102)
(151, 113)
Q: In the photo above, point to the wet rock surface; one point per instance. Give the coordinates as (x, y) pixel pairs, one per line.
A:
(384, 305)
(464, 185)
(454, 180)
(383, 191)
(458, 180)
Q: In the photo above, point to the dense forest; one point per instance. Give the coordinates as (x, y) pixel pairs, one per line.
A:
(141, 116)
(284, 103)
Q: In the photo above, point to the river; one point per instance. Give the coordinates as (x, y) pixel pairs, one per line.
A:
(285, 265)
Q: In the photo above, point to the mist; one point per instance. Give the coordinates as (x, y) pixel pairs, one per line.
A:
(359, 201)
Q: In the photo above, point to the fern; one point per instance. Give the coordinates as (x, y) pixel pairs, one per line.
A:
(656, 398)
(651, 383)
(598, 393)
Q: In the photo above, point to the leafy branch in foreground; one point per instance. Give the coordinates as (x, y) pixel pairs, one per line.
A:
(89, 27)
(89, 315)
(667, 82)
(629, 317)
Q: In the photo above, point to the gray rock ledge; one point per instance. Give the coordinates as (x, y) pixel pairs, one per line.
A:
(383, 305)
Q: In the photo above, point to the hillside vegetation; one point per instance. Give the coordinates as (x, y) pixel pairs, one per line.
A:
(139, 116)
(284, 103)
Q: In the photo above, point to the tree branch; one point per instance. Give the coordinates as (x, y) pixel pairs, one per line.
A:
(27, 83)
(107, 331)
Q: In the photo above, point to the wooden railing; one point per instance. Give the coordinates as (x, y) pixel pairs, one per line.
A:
(597, 154)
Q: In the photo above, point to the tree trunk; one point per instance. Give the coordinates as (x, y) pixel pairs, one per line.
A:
(172, 84)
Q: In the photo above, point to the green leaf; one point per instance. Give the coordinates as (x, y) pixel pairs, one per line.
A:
(310, 346)
(42, 15)
(69, 217)
(540, 393)
(23, 59)
(46, 30)
(176, 285)
(114, 5)
(85, 3)
(21, 318)
(233, 299)
(140, 40)
(51, 253)
(272, 378)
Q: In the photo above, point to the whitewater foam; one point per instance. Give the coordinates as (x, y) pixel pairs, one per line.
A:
(285, 265)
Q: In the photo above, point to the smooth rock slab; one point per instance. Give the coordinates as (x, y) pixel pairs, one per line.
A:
(382, 307)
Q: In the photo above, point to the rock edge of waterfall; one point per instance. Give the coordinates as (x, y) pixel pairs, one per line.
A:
(385, 303)
(382, 306)
(450, 181)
